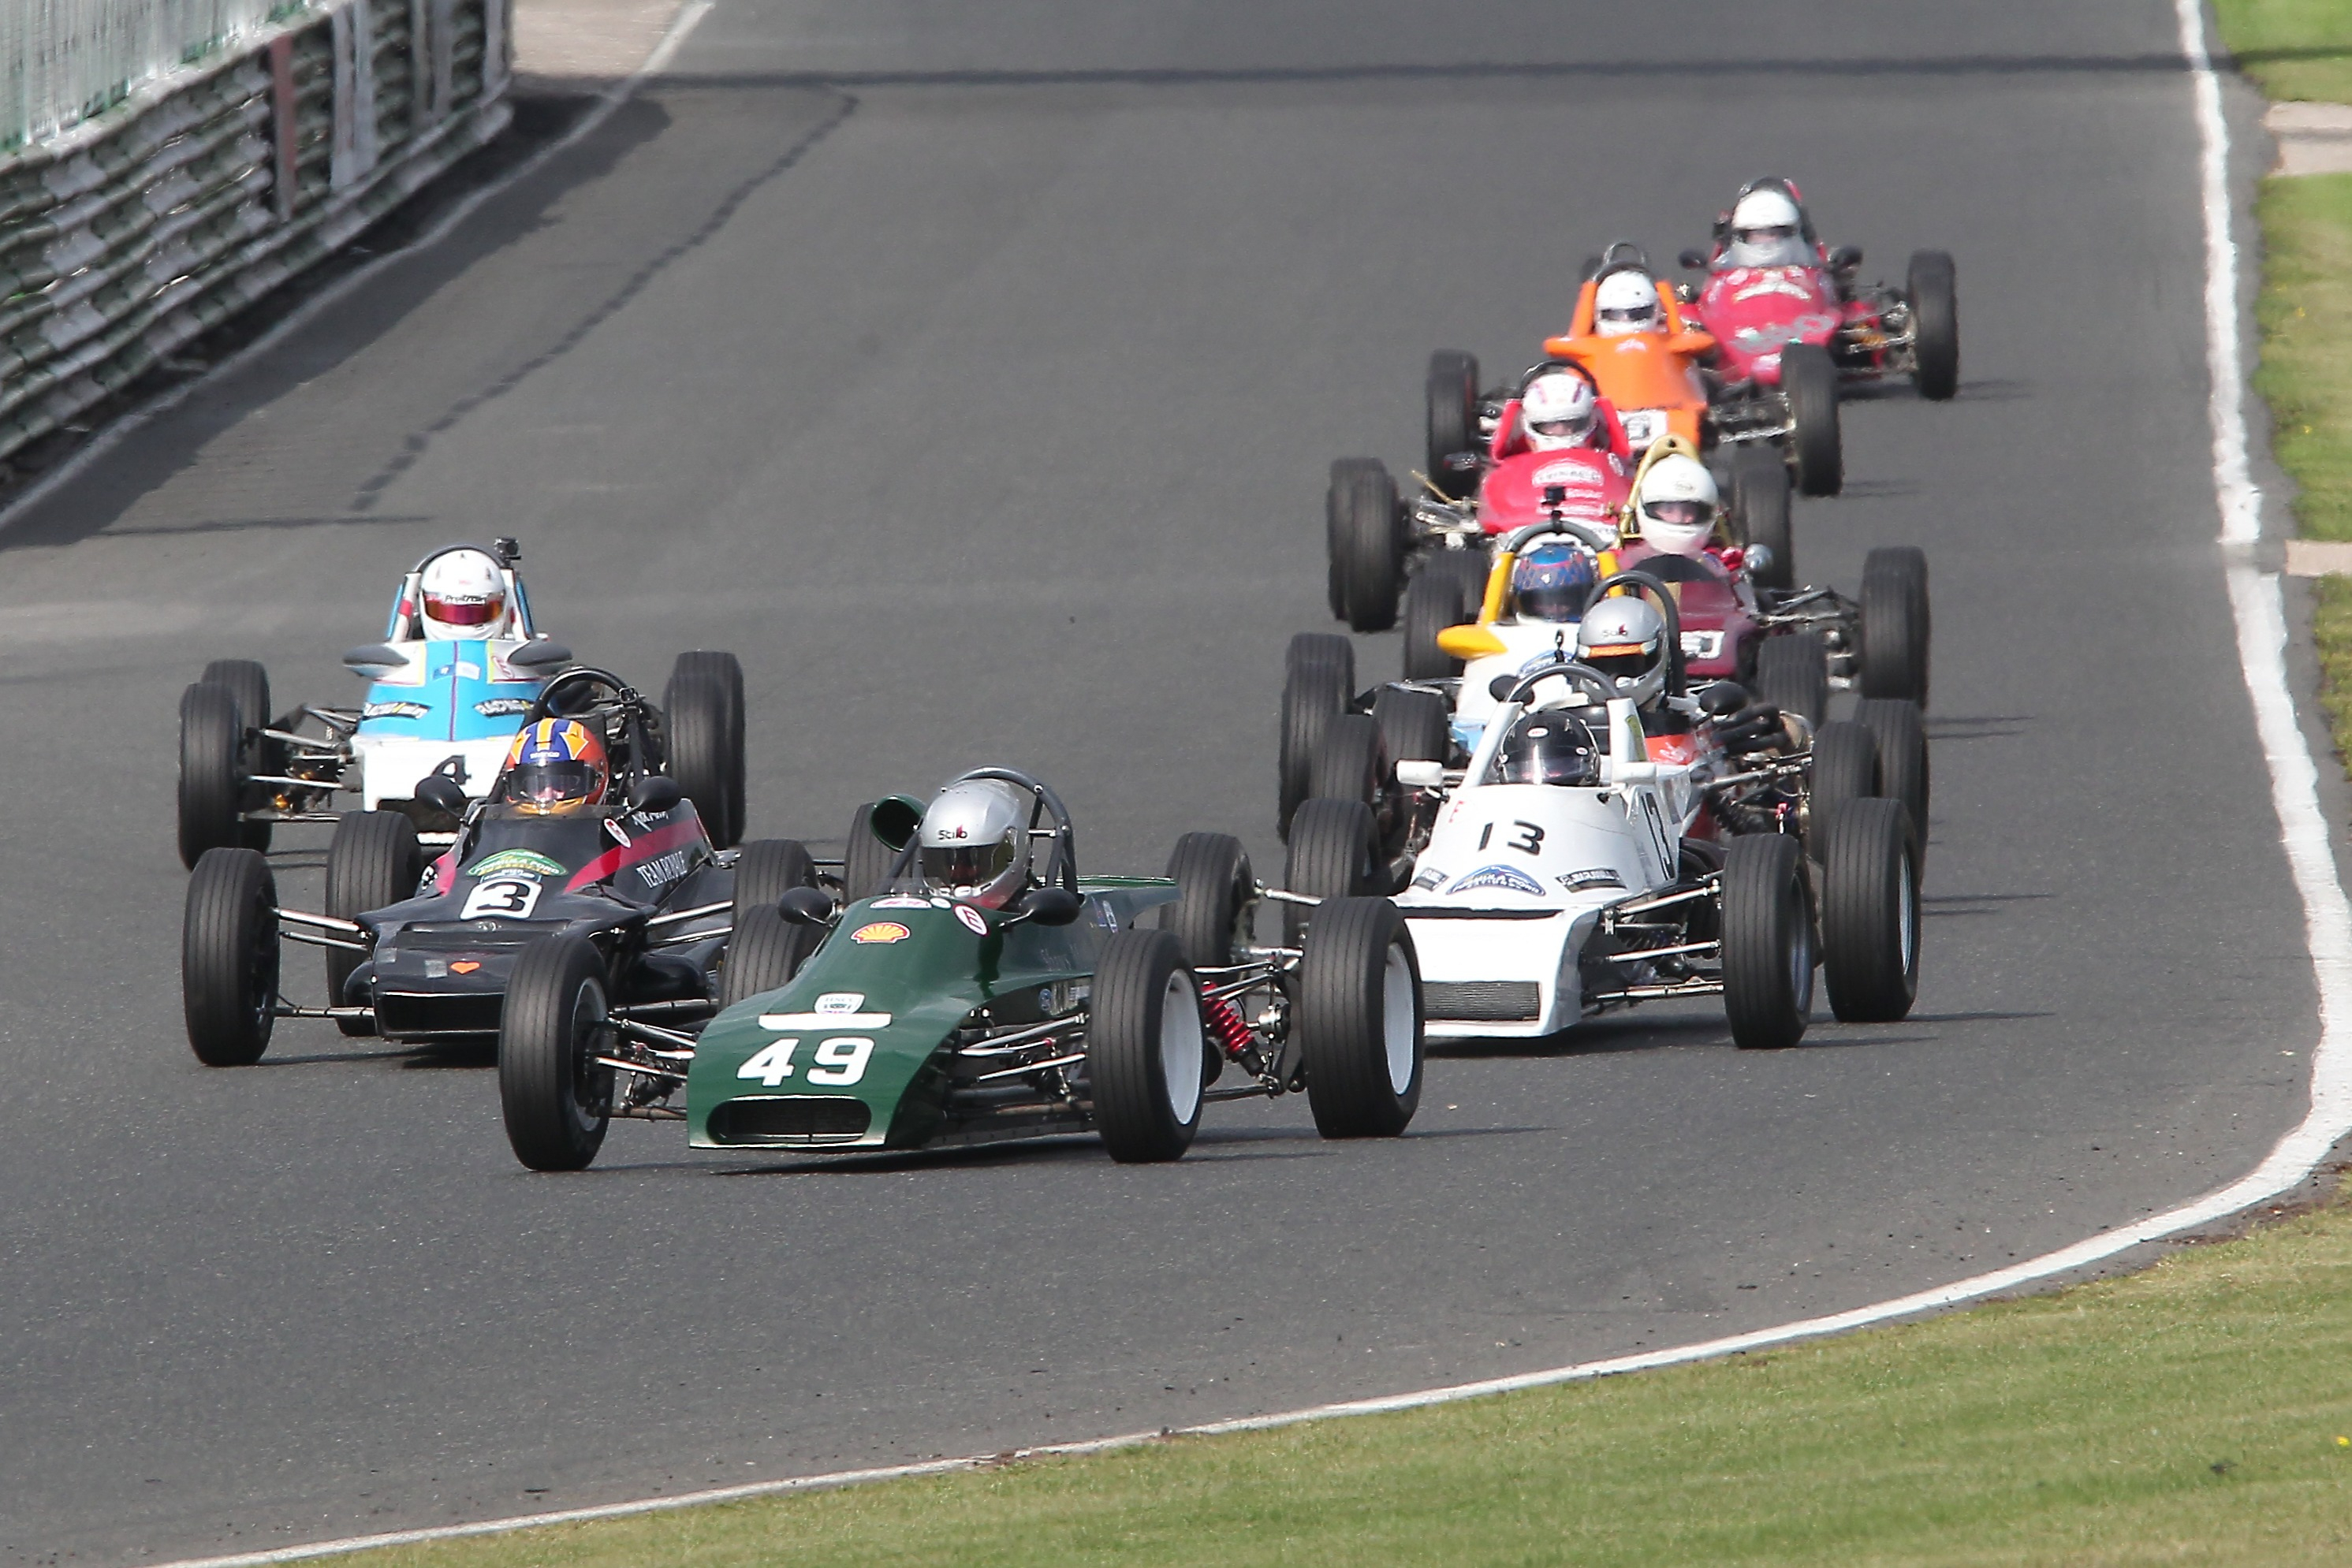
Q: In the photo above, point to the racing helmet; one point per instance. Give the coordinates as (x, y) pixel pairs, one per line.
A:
(1625, 639)
(461, 593)
(1767, 230)
(1625, 302)
(1677, 505)
(974, 841)
(1550, 747)
(1557, 411)
(554, 767)
(1553, 582)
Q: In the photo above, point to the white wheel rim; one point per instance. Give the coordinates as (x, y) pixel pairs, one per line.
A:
(1396, 1017)
(1182, 1047)
(1906, 903)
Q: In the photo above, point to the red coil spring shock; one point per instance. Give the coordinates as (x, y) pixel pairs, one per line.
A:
(1227, 1024)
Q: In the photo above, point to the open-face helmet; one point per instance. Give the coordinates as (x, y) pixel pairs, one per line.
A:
(974, 841)
(1625, 640)
(462, 593)
(1767, 230)
(1677, 505)
(1557, 411)
(1550, 745)
(1553, 582)
(554, 767)
(1625, 302)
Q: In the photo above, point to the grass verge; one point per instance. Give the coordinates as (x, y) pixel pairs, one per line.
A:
(2293, 48)
(2198, 1412)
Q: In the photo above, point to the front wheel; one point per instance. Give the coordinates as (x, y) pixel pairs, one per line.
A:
(1768, 942)
(1935, 325)
(228, 957)
(212, 771)
(763, 953)
(248, 682)
(556, 1099)
(1870, 913)
(1369, 545)
(1894, 624)
(703, 707)
(1145, 1047)
(1808, 381)
(1360, 1020)
(1319, 677)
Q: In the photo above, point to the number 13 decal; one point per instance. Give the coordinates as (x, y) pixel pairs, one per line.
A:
(1528, 838)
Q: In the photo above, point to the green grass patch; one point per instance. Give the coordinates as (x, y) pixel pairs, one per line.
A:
(2199, 1412)
(2293, 48)
(2305, 374)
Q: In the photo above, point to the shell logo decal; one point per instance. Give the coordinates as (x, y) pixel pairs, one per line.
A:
(879, 931)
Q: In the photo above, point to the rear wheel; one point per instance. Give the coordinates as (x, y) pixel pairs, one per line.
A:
(763, 953)
(866, 858)
(248, 682)
(1333, 853)
(1145, 1046)
(1768, 942)
(1349, 763)
(1870, 913)
(1808, 381)
(1370, 548)
(1452, 421)
(1214, 887)
(1793, 674)
(211, 772)
(1761, 493)
(1359, 1020)
(1845, 769)
(373, 861)
(1414, 726)
(703, 707)
(556, 1100)
(228, 957)
(1894, 624)
(1448, 591)
(1319, 677)
(1935, 325)
(1902, 744)
(1342, 485)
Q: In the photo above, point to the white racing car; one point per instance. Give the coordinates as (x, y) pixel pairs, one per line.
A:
(1566, 870)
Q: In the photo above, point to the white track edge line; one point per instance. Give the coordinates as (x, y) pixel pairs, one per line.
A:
(608, 103)
(2258, 610)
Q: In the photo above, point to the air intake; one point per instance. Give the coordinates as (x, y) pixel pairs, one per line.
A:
(791, 1120)
(1483, 1002)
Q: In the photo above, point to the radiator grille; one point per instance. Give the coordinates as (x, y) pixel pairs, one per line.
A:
(1483, 1002)
(788, 1119)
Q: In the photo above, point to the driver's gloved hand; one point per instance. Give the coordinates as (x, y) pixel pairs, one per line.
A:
(1749, 730)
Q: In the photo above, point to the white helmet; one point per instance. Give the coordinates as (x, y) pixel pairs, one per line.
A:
(1677, 505)
(461, 593)
(1557, 411)
(1626, 301)
(1767, 230)
(974, 841)
(1625, 639)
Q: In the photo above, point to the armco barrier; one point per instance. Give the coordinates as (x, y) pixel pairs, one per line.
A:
(132, 233)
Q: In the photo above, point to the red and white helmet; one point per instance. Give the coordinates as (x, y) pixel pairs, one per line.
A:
(1767, 230)
(1557, 411)
(1626, 302)
(461, 593)
(1677, 505)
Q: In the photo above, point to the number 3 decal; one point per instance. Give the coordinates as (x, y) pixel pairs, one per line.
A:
(509, 898)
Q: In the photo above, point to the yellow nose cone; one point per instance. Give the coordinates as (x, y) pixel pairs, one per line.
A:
(1468, 642)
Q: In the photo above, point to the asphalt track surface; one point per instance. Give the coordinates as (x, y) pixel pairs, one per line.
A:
(975, 383)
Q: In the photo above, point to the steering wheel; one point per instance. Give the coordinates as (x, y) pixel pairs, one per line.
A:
(556, 699)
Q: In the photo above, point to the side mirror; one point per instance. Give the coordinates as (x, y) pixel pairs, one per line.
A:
(1694, 259)
(656, 793)
(806, 906)
(441, 793)
(374, 662)
(1723, 698)
(1415, 775)
(539, 655)
(1845, 258)
(1053, 906)
(1501, 687)
(1756, 559)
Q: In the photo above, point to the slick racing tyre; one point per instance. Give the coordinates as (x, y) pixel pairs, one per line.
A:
(877, 833)
(703, 709)
(1894, 624)
(373, 861)
(1449, 590)
(1768, 942)
(1902, 738)
(1145, 1047)
(1760, 493)
(1793, 674)
(556, 1100)
(1935, 325)
(1870, 913)
(1368, 545)
(1454, 441)
(763, 953)
(1335, 495)
(1845, 769)
(211, 772)
(1359, 1020)
(1333, 853)
(765, 869)
(1356, 764)
(228, 957)
(1319, 678)
(249, 683)
(1414, 726)
(1216, 893)
(1808, 381)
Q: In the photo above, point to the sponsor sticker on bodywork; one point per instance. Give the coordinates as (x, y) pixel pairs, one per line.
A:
(516, 863)
(973, 921)
(902, 902)
(879, 931)
(394, 710)
(1587, 880)
(1428, 880)
(503, 707)
(1509, 879)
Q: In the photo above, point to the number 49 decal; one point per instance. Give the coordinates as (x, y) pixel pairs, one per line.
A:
(840, 1060)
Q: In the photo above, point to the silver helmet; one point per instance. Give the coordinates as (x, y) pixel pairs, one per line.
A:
(974, 841)
(1625, 639)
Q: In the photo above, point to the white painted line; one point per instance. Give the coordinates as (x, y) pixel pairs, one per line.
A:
(607, 102)
(2303, 830)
